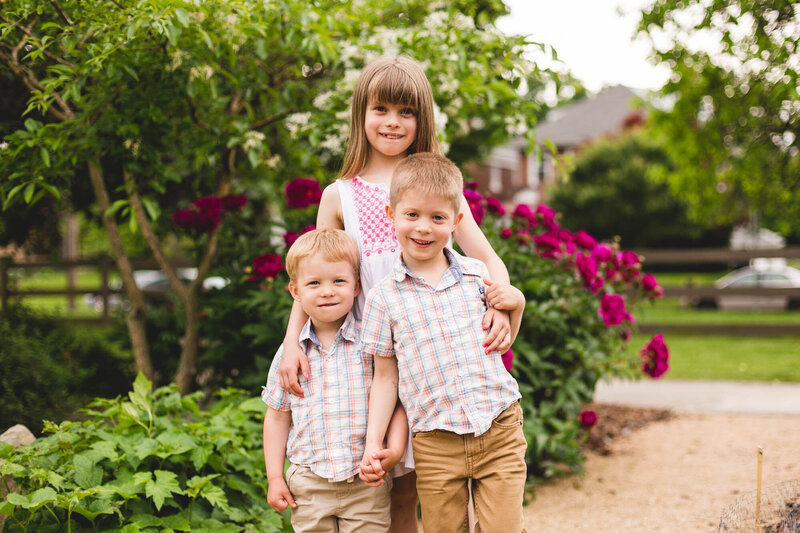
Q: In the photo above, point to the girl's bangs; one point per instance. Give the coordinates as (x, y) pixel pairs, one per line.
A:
(393, 86)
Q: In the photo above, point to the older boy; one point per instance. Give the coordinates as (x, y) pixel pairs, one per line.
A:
(326, 427)
(423, 324)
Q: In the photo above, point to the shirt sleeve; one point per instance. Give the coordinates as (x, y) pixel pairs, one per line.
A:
(376, 326)
(273, 394)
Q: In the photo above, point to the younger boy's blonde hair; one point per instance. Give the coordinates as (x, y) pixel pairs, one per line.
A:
(333, 245)
(432, 175)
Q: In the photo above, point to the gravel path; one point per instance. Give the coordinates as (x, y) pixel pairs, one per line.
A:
(672, 476)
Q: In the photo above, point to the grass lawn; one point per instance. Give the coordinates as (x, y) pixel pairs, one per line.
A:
(707, 357)
(670, 311)
(47, 278)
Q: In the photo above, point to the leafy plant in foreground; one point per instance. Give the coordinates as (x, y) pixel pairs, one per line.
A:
(152, 462)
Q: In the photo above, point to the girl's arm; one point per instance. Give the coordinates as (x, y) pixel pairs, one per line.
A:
(471, 239)
(294, 360)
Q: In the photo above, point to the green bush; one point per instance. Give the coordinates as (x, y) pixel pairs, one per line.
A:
(154, 461)
(576, 325)
(51, 368)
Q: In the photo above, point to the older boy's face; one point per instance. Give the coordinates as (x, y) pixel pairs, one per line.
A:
(325, 289)
(423, 225)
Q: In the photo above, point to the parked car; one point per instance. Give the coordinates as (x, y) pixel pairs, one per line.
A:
(154, 284)
(767, 273)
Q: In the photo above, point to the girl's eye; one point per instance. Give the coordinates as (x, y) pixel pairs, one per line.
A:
(379, 108)
(407, 112)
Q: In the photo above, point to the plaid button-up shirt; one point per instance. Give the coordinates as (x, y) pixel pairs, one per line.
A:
(447, 380)
(329, 424)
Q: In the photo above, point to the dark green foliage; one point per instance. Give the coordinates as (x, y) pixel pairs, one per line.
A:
(154, 461)
(51, 368)
(618, 189)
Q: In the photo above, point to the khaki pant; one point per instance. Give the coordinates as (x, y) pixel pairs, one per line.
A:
(340, 506)
(446, 462)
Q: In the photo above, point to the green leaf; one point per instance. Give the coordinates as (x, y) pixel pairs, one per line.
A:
(18, 500)
(215, 496)
(152, 208)
(200, 455)
(177, 522)
(176, 443)
(5, 449)
(45, 157)
(42, 496)
(116, 206)
(183, 16)
(145, 520)
(164, 486)
(12, 193)
(145, 448)
(87, 472)
(28, 194)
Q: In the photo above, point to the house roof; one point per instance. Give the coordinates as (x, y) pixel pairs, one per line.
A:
(587, 119)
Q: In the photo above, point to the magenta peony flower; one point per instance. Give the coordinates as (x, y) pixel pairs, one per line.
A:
(471, 185)
(523, 237)
(602, 253)
(475, 202)
(289, 237)
(308, 228)
(585, 241)
(508, 360)
(587, 268)
(494, 206)
(629, 259)
(547, 215)
(302, 192)
(596, 284)
(266, 266)
(524, 212)
(650, 285)
(612, 310)
(185, 219)
(233, 202)
(208, 203)
(655, 357)
(587, 418)
(548, 245)
(505, 233)
(208, 219)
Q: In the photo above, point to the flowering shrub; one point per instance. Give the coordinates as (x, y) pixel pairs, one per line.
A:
(581, 295)
(266, 266)
(302, 193)
(207, 213)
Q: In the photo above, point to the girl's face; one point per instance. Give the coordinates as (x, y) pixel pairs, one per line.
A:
(390, 128)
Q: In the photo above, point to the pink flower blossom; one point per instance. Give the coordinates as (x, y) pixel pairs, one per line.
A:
(185, 219)
(494, 206)
(548, 245)
(585, 241)
(587, 268)
(233, 202)
(523, 211)
(266, 266)
(289, 237)
(587, 418)
(612, 310)
(523, 237)
(475, 202)
(471, 185)
(630, 259)
(508, 360)
(505, 233)
(602, 253)
(308, 228)
(547, 215)
(650, 285)
(302, 192)
(655, 357)
(208, 203)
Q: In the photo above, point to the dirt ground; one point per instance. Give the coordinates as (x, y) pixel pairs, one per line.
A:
(654, 471)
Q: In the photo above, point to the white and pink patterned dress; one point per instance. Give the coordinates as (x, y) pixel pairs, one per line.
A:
(364, 213)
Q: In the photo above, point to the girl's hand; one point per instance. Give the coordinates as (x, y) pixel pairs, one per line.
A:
(293, 361)
(498, 336)
(503, 296)
(371, 470)
(279, 497)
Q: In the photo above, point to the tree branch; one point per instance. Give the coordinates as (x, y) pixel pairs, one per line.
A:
(151, 238)
(28, 31)
(269, 120)
(58, 8)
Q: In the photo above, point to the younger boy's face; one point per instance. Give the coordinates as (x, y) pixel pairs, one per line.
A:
(423, 225)
(325, 289)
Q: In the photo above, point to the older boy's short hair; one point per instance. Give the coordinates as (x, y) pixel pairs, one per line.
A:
(432, 174)
(332, 244)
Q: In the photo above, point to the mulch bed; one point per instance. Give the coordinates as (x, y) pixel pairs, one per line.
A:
(618, 420)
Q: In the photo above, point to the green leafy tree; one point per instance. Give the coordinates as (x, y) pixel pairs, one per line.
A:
(735, 121)
(145, 107)
(617, 188)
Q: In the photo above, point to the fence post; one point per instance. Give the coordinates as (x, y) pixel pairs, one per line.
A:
(4, 262)
(104, 275)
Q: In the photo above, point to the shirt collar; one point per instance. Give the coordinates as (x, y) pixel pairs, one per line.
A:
(347, 330)
(458, 267)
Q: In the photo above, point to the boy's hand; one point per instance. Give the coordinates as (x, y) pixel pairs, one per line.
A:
(388, 458)
(503, 296)
(371, 470)
(278, 495)
(293, 361)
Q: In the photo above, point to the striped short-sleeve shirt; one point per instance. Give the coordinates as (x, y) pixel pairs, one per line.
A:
(447, 380)
(329, 424)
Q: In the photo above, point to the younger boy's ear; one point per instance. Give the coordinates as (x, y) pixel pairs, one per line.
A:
(390, 214)
(293, 291)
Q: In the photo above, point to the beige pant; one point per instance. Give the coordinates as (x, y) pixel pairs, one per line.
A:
(446, 463)
(340, 506)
